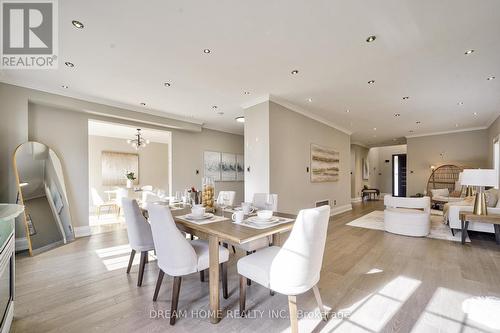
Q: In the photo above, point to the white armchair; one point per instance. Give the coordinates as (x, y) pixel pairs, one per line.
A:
(407, 216)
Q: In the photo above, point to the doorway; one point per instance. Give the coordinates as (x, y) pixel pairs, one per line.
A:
(399, 175)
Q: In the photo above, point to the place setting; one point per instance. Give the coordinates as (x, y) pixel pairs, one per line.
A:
(261, 220)
(199, 215)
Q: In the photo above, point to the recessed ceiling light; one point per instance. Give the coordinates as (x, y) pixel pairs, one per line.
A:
(371, 82)
(475, 113)
(406, 97)
(143, 104)
(371, 39)
(77, 24)
(309, 100)
(167, 84)
(69, 64)
(374, 128)
(347, 111)
(247, 92)
(214, 107)
(295, 72)
(490, 78)
(240, 119)
(411, 131)
(65, 86)
(397, 114)
(469, 52)
(207, 51)
(460, 103)
(418, 122)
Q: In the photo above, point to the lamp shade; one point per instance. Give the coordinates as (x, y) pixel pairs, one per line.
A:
(478, 177)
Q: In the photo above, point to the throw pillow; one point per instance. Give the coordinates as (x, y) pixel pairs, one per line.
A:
(444, 192)
(491, 198)
(456, 194)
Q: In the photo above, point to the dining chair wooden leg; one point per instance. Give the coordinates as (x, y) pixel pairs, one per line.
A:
(249, 282)
(223, 269)
(158, 285)
(243, 294)
(234, 250)
(292, 306)
(142, 264)
(175, 299)
(131, 260)
(320, 302)
(202, 276)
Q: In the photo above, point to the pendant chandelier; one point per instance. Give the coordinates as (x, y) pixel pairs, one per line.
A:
(139, 141)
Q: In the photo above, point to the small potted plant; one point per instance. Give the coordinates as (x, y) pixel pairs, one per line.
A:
(130, 178)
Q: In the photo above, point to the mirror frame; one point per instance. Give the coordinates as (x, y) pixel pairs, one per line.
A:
(21, 199)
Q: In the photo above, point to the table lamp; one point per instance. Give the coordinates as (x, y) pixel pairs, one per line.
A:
(468, 189)
(479, 178)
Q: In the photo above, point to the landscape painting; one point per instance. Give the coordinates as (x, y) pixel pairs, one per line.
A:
(114, 166)
(325, 164)
(212, 165)
(240, 167)
(228, 167)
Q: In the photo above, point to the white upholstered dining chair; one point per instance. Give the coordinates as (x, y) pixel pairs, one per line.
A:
(139, 235)
(99, 203)
(229, 197)
(178, 256)
(260, 201)
(294, 268)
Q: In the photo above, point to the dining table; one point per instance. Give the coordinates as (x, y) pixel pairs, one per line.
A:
(225, 231)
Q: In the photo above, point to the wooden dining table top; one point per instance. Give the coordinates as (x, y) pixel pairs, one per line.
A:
(226, 230)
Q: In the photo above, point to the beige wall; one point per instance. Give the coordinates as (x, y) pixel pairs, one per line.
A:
(257, 153)
(380, 170)
(493, 133)
(62, 123)
(291, 135)
(153, 162)
(358, 154)
(468, 149)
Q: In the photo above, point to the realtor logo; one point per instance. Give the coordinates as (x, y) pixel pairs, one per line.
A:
(29, 34)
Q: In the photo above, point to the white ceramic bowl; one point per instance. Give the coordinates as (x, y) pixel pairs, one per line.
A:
(265, 214)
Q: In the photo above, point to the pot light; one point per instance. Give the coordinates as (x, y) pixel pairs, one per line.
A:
(240, 119)
(469, 52)
(406, 97)
(69, 64)
(411, 131)
(77, 24)
(374, 128)
(397, 115)
(490, 78)
(295, 72)
(167, 84)
(143, 104)
(309, 100)
(347, 111)
(65, 86)
(460, 103)
(371, 82)
(418, 122)
(214, 107)
(475, 113)
(371, 39)
(247, 93)
(207, 51)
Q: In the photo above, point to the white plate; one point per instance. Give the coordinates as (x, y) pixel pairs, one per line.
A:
(257, 220)
(206, 216)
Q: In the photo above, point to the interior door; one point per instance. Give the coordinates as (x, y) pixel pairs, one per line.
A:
(399, 175)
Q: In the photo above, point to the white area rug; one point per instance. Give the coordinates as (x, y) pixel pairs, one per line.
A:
(375, 220)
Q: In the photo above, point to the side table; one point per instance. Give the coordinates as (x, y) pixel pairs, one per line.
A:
(466, 217)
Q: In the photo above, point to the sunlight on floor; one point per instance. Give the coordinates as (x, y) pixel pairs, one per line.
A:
(452, 311)
(117, 257)
(374, 271)
(371, 313)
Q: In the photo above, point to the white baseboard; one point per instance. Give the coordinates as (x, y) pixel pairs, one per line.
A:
(82, 231)
(340, 209)
(358, 199)
(21, 244)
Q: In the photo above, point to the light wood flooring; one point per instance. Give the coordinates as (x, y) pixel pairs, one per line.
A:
(384, 282)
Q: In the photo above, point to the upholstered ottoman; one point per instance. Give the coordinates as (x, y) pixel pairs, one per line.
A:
(407, 216)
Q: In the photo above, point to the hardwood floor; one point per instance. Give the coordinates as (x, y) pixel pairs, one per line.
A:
(384, 282)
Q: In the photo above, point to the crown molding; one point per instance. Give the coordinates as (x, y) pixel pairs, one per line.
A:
(255, 101)
(357, 143)
(470, 129)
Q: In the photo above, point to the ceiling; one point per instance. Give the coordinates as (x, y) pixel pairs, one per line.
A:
(126, 53)
(112, 130)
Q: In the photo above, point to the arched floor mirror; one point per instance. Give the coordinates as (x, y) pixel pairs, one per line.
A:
(42, 190)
